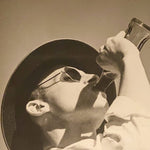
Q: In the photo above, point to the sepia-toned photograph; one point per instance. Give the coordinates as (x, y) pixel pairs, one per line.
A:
(75, 75)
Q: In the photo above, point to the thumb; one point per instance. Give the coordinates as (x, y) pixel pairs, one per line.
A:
(121, 34)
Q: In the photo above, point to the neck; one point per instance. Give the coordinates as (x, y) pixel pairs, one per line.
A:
(70, 134)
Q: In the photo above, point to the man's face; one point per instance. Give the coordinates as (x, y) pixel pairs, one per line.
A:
(74, 93)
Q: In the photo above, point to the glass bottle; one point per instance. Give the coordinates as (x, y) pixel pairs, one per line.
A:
(138, 33)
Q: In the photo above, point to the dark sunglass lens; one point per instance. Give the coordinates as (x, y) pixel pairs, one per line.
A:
(74, 74)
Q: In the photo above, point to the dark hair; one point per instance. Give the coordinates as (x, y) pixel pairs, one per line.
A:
(38, 93)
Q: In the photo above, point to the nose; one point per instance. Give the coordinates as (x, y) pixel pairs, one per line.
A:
(91, 79)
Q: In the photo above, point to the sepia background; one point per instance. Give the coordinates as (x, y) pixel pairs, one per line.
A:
(27, 24)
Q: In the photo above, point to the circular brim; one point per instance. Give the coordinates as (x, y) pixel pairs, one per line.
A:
(19, 133)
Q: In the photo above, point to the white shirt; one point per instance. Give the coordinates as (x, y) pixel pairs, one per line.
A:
(127, 128)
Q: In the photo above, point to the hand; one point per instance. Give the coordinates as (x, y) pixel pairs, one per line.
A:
(115, 49)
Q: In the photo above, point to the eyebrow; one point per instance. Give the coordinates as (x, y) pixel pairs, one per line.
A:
(49, 79)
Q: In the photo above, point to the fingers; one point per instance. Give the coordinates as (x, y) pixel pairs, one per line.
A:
(121, 34)
(112, 43)
(109, 44)
(103, 50)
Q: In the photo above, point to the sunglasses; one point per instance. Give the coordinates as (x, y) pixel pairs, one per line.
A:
(67, 75)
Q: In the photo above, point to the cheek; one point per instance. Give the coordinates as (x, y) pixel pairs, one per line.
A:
(65, 96)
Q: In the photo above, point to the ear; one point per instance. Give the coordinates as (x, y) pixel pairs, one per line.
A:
(37, 107)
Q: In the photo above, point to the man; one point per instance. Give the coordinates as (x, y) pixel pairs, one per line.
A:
(68, 107)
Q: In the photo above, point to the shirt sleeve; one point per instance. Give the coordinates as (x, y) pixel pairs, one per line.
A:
(127, 127)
